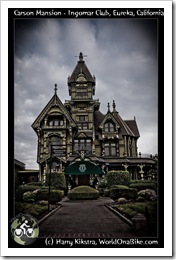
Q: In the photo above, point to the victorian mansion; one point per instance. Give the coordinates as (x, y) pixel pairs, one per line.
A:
(77, 139)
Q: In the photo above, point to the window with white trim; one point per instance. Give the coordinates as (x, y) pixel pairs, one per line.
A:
(109, 127)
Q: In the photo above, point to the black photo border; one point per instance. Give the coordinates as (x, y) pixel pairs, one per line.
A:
(40, 243)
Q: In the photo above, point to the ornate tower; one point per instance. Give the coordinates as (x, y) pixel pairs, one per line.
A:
(81, 85)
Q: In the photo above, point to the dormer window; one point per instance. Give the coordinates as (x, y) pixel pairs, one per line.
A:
(109, 127)
(56, 121)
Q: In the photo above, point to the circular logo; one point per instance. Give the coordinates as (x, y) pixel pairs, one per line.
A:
(24, 229)
(82, 167)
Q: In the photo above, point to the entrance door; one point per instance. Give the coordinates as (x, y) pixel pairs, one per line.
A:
(83, 180)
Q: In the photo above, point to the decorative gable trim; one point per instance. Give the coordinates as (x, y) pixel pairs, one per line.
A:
(54, 102)
(124, 125)
(109, 116)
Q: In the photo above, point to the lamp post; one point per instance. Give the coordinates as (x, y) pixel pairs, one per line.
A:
(49, 183)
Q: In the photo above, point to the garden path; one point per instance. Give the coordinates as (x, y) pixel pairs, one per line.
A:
(84, 218)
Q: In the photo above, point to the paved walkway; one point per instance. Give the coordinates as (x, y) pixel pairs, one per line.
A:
(84, 218)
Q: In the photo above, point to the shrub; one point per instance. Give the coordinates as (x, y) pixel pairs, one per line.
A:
(29, 196)
(106, 192)
(37, 210)
(55, 195)
(42, 202)
(57, 180)
(118, 178)
(28, 208)
(140, 199)
(22, 189)
(142, 185)
(148, 194)
(116, 193)
(83, 192)
(121, 200)
(102, 183)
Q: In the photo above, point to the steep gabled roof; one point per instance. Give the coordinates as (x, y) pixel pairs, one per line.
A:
(54, 102)
(81, 68)
(98, 118)
(133, 126)
(108, 116)
(127, 127)
(124, 128)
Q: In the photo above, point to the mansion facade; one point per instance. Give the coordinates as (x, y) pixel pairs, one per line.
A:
(77, 133)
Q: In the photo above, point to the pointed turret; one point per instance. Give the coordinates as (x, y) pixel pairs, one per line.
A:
(81, 68)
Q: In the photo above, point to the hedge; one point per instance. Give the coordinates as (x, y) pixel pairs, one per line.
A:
(129, 194)
(29, 196)
(36, 183)
(83, 192)
(143, 185)
(28, 208)
(30, 193)
(55, 195)
(142, 181)
(118, 178)
(119, 187)
(57, 180)
(24, 188)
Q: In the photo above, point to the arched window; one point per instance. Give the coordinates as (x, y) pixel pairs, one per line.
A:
(55, 140)
(109, 127)
(56, 146)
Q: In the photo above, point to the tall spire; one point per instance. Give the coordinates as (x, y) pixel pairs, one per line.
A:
(108, 107)
(114, 106)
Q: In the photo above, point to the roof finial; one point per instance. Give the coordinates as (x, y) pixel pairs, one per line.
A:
(81, 56)
(108, 107)
(55, 89)
(114, 106)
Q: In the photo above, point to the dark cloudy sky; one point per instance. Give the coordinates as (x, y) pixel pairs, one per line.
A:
(121, 53)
